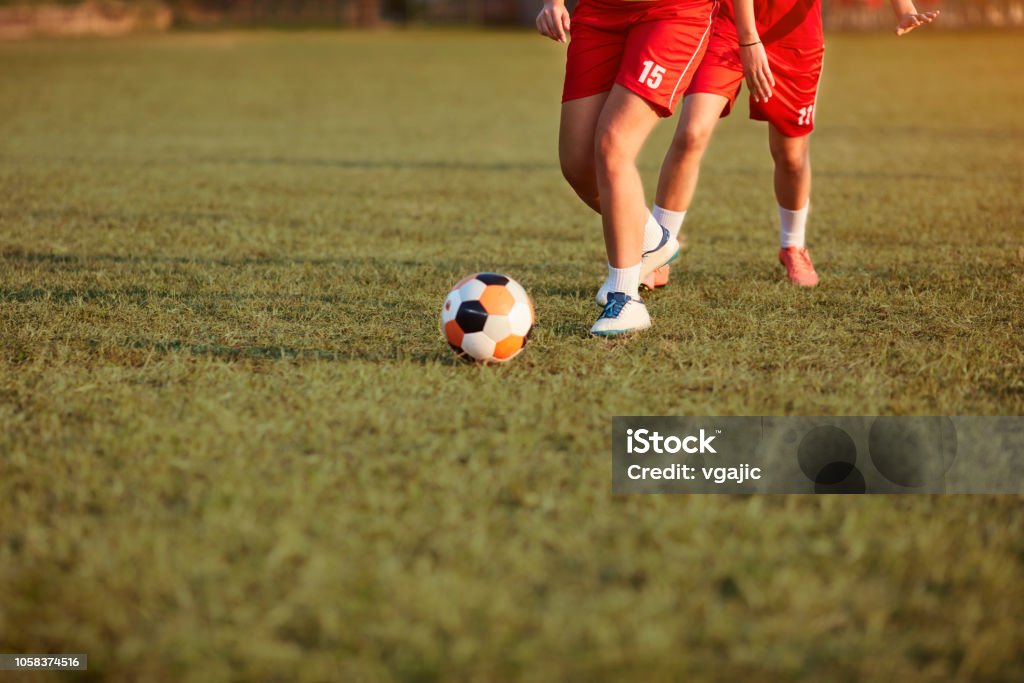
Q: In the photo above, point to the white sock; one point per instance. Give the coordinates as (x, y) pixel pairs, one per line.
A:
(792, 226)
(670, 220)
(652, 233)
(625, 280)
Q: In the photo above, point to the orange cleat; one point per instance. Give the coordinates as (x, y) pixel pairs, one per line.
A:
(659, 278)
(799, 268)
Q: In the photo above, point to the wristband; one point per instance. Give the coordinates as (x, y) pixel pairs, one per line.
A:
(750, 44)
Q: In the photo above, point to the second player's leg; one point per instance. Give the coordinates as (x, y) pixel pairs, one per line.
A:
(681, 167)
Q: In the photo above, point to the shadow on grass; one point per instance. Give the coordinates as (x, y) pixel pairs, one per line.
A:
(268, 261)
(211, 303)
(142, 296)
(62, 259)
(181, 218)
(393, 164)
(571, 329)
(289, 353)
(586, 291)
(926, 132)
(530, 166)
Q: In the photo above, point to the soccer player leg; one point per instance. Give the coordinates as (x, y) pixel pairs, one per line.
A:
(625, 123)
(658, 278)
(591, 66)
(661, 55)
(709, 97)
(680, 168)
(790, 115)
(677, 181)
(576, 146)
(792, 158)
(792, 191)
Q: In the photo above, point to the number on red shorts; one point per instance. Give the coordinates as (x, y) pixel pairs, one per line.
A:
(652, 74)
(806, 116)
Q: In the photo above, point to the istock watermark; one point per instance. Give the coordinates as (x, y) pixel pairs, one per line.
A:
(644, 441)
(933, 454)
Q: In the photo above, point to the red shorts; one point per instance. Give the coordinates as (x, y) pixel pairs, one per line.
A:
(652, 48)
(796, 71)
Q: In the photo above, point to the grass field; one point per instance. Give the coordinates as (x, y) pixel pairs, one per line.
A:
(233, 445)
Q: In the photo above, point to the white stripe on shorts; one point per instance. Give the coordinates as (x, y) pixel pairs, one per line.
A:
(687, 67)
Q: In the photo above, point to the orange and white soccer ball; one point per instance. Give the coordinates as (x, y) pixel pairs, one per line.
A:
(487, 318)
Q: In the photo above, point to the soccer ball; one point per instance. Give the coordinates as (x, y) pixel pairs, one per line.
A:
(487, 318)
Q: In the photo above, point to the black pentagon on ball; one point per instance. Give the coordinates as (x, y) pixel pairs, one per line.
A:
(471, 316)
(492, 279)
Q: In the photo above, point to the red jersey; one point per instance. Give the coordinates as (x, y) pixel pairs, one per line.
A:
(790, 23)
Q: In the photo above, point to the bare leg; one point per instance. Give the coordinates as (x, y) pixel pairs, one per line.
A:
(576, 146)
(626, 121)
(679, 170)
(792, 158)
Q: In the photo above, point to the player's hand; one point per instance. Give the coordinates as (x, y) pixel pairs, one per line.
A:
(908, 22)
(553, 21)
(757, 72)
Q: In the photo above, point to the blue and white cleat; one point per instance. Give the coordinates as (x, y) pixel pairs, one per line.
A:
(621, 315)
(665, 253)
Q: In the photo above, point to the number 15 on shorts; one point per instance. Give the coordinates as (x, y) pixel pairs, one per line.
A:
(652, 74)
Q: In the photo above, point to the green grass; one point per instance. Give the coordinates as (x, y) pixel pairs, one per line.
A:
(233, 445)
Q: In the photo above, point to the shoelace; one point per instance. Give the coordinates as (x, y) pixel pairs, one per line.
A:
(614, 306)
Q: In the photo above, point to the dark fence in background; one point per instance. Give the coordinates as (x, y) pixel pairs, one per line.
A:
(839, 14)
(19, 18)
(355, 12)
(877, 14)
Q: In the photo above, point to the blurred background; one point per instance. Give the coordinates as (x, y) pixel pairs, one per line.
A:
(26, 18)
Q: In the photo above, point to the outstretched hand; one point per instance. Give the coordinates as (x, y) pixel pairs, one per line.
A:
(910, 21)
(553, 21)
(757, 72)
